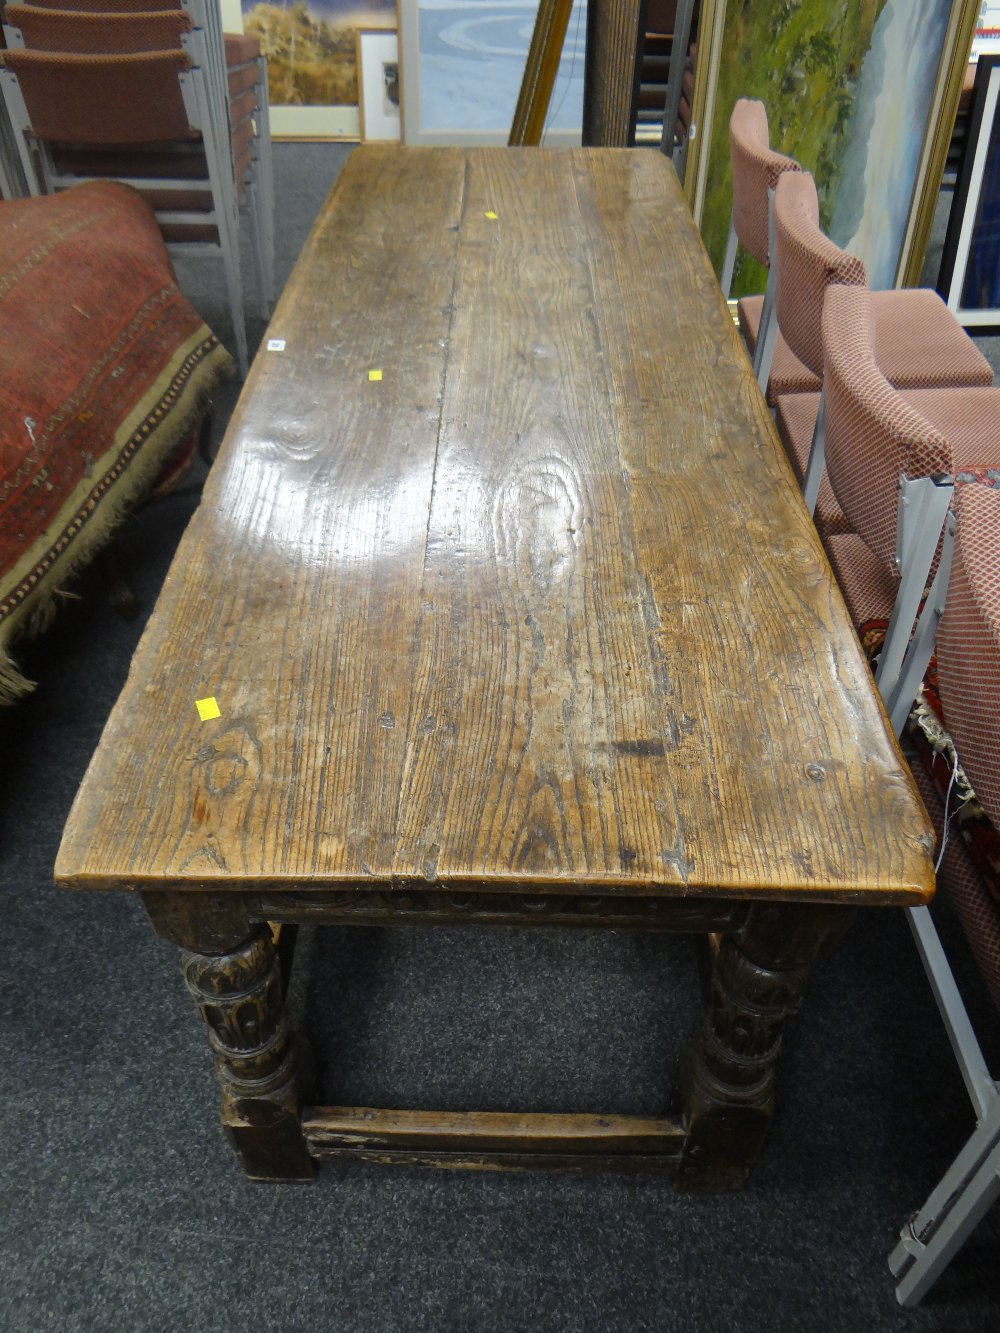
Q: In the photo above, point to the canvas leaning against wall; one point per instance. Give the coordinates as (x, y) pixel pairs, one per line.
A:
(311, 51)
(462, 66)
(849, 87)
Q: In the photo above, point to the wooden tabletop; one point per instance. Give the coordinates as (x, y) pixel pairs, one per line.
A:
(540, 607)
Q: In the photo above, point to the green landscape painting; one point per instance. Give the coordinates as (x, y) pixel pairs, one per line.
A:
(848, 86)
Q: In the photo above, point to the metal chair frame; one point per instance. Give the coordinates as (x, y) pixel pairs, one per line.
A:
(934, 1234)
(207, 18)
(767, 330)
(672, 101)
(205, 90)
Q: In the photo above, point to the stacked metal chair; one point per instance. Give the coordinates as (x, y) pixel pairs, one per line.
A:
(756, 170)
(968, 674)
(918, 343)
(896, 441)
(161, 100)
(915, 473)
(888, 453)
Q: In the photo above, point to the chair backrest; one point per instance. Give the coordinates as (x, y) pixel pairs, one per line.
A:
(116, 99)
(808, 262)
(968, 644)
(756, 170)
(77, 32)
(872, 434)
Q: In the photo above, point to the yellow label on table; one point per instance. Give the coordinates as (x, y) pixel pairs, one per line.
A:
(374, 376)
(207, 708)
(492, 216)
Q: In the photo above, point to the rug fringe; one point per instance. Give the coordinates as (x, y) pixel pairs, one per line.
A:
(13, 685)
(42, 608)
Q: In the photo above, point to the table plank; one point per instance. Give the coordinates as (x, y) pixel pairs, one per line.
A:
(541, 610)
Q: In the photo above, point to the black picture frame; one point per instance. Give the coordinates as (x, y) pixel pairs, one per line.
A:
(969, 279)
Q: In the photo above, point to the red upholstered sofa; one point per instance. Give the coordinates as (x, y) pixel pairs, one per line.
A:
(105, 370)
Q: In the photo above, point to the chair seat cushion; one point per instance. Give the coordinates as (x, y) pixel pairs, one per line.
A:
(919, 344)
(104, 369)
(242, 79)
(795, 418)
(165, 161)
(241, 108)
(969, 420)
(241, 49)
(788, 374)
(868, 588)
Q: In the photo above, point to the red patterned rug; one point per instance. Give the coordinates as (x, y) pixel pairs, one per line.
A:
(105, 369)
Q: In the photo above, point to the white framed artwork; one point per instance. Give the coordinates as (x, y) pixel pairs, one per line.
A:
(378, 86)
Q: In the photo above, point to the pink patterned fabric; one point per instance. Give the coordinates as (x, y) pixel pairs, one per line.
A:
(867, 586)
(795, 418)
(756, 169)
(969, 644)
(872, 432)
(808, 262)
(919, 344)
(918, 341)
(969, 419)
(788, 374)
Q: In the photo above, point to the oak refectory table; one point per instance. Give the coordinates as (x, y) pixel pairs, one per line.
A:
(510, 612)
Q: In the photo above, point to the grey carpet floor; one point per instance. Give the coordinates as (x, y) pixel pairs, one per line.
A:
(122, 1208)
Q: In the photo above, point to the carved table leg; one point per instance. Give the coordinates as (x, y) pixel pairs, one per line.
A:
(727, 1076)
(230, 966)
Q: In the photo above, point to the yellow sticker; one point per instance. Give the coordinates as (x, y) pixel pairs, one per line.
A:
(374, 376)
(207, 708)
(492, 216)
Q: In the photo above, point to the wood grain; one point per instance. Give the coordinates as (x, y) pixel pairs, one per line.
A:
(497, 1131)
(541, 611)
(492, 1140)
(612, 73)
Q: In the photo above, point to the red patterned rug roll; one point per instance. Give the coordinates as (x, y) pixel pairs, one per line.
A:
(105, 369)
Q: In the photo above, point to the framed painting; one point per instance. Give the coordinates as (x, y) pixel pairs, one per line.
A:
(378, 85)
(311, 49)
(462, 62)
(986, 41)
(862, 92)
(970, 262)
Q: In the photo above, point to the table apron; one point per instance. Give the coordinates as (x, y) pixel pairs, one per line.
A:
(434, 907)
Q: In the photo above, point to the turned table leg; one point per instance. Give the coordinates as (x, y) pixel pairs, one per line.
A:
(230, 966)
(727, 1077)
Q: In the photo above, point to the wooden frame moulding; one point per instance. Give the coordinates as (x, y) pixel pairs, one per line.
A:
(540, 72)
